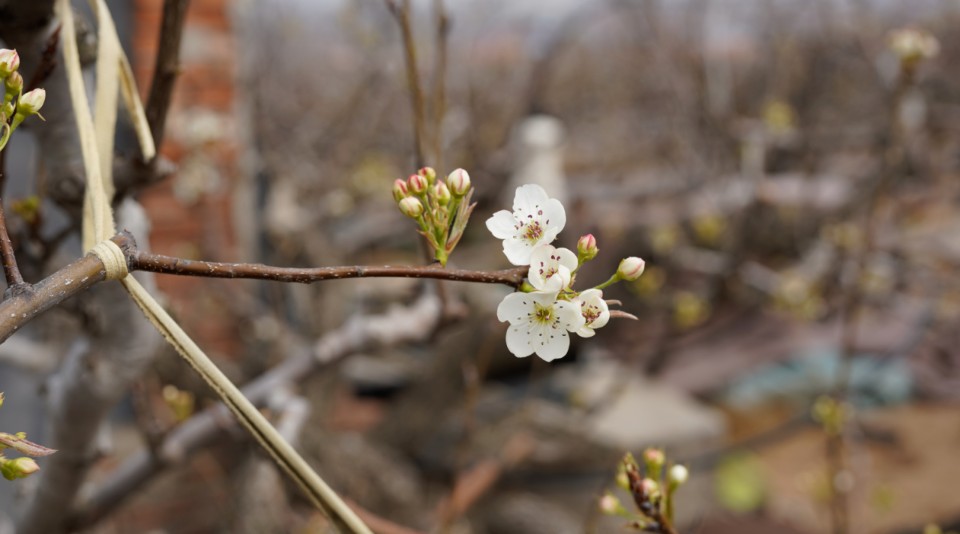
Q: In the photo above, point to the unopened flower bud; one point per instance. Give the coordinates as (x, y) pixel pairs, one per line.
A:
(429, 174)
(31, 102)
(442, 193)
(18, 467)
(417, 183)
(587, 247)
(630, 268)
(399, 189)
(9, 62)
(653, 460)
(649, 488)
(411, 207)
(459, 182)
(677, 475)
(14, 84)
(610, 505)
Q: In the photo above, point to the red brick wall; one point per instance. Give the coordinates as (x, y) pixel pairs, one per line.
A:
(191, 211)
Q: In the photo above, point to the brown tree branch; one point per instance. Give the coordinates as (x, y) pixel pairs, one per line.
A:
(166, 66)
(156, 263)
(9, 260)
(48, 61)
(10, 269)
(19, 309)
(133, 173)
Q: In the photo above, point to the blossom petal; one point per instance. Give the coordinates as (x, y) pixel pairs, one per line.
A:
(569, 315)
(567, 258)
(519, 340)
(586, 331)
(502, 224)
(515, 308)
(590, 295)
(544, 298)
(529, 199)
(602, 320)
(553, 345)
(554, 216)
(517, 251)
(547, 269)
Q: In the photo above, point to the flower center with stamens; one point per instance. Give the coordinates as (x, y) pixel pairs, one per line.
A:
(542, 314)
(532, 231)
(590, 313)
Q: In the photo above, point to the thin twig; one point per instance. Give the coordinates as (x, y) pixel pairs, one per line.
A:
(10, 269)
(156, 263)
(166, 67)
(439, 91)
(21, 307)
(402, 15)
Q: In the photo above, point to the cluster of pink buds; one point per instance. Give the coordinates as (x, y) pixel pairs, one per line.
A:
(652, 488)
(17, 105)
(441, 208)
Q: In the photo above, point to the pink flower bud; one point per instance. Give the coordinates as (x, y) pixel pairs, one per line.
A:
(630, 268)
(417, 184)
(429, 174)
(9, 61)
(587, 247)
(459, 182)
(411, 207)
(399, 189)
(31, 102)
(653, 456)
(442, 193)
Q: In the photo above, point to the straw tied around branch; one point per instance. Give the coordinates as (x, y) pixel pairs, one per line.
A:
(547, 307)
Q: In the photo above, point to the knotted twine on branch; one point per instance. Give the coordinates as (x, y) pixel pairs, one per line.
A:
(96, 142)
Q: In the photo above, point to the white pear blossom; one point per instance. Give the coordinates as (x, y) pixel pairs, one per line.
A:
(539, 324)
(551, 269)
(536, 220)
(594, 311)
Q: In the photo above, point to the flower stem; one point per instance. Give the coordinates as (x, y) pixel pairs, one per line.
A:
(613, 280)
